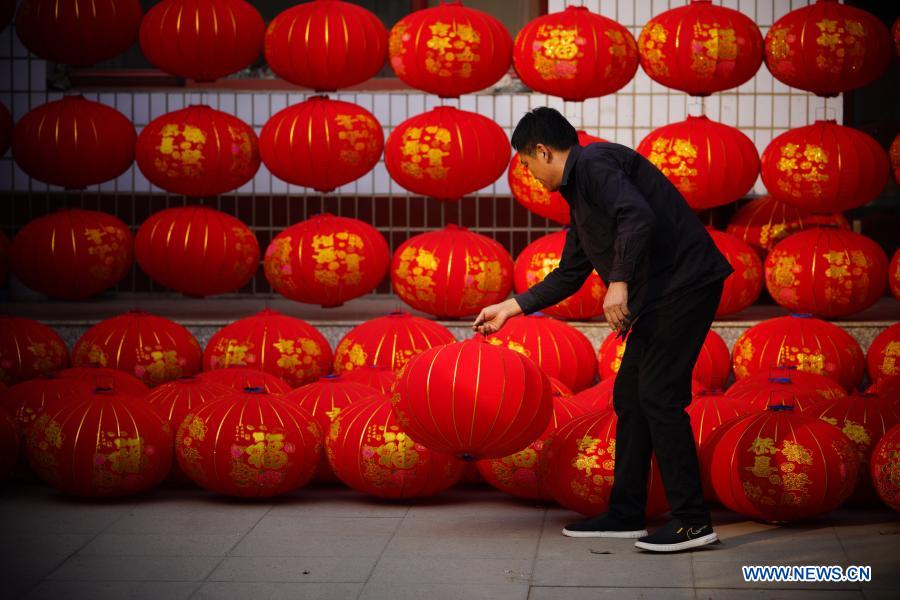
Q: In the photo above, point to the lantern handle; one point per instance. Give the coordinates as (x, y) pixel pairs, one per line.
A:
(782, 406)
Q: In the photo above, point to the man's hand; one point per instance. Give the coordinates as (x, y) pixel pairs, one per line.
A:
(491, 318)
(615, 305)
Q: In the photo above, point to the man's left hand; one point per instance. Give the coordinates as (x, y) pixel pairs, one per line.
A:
(615, 305)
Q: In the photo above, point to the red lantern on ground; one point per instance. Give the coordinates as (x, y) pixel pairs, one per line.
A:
(446, 153)
(824, 167)
(756, 393)
(450, 399)
(344, 44)
(239, 378)
(129, 452)
(80, 33)
(708, 411)
(827, 272)
(883, 356)
(559, 349)
(342, 142)
(575, 54)
(827, 48)
(102, 377)
(272, 342)
(701, 48)
(176, 399)
(449, 50)
(887, 387)
(389, 341)
(801, 341)
(153, 349)
(9, 444)
(47, 146)
(742, 288)
(376, 377)
(327, 260)
(225, 36)
(28, 349)
(884, 468)
(425, 276)
(710, 163)
(538, 259)
(249, 444)
(894, 274)
(198, 151)
(598, 396)
(26, 399)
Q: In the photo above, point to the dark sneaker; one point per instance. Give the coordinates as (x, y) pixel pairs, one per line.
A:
(603, 526)
(675, 536)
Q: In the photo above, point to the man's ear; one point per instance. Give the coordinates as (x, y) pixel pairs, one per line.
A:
(543, 153)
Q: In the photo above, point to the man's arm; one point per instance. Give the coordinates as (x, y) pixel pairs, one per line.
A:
(563, 281)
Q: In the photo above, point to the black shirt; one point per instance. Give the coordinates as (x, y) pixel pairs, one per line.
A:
(631, 224)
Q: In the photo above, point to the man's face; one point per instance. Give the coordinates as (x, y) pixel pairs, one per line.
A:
(544, 166)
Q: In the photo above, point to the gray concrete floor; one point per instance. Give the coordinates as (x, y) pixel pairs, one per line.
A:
(332, 543)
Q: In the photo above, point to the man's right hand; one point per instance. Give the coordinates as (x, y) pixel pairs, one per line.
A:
(491, 318)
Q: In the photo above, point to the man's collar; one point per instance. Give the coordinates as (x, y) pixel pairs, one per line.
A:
(574, 152)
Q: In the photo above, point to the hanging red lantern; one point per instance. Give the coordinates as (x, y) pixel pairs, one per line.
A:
(25, 400)
(341, 143)
(327, 260)
(780, 466)
(827, 272)
(249, 444)
(80, 33)
(9, 444)
(450, 50)
(450, 399)
(883, 355)
(198, 151)
(538, 259)
(343, 45)
(575, 54)
(446, 153)
(827, 48)
(559, 349)
(153, 349)
(389, 341)
(376, 377)
(47, 146)
(240, 378)
(711, 164)
(425, 277)
(272, 342)
(531, 193)
(28, 349)
(884, 468)
(102, 377)
(765, 221)
(701, 48)
(894, 274)
(824, 167)
(129, 452)
(224, 37)
(804, 342)
(742, 288)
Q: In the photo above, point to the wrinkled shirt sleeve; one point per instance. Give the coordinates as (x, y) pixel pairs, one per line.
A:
(563, 281)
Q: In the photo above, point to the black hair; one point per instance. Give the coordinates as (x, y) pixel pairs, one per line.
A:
(543, 125)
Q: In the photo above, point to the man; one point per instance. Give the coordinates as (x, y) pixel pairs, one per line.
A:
(664, 276)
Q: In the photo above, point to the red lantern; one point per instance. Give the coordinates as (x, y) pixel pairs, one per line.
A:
(238, 378)
(742, 287)
(701, 48)
(249, 444)
(559, 349)
(327, 260)
(895, 32)
(531, 193)
(9, 444)
(885, 468)
(224, 37)
(425, 276)
(389, 341)
(128, 452)
(765, 221)
(446, 153)
(341, 143)
(269, 341)
(575, 54)
(827, 48)
(473, 399)
(450, 50)
(802, 388)
(343, 45)
(6, 129)
(710, 163)
(197, 251)
(26, 399)
(176, 399)
(538, 259)
(101, 377)
(894, 152)
(198, 151)
(824, 167)
(804, 342)
(708, 411)
(80, 32)
(894, 274)
(28, 349)
(599, 396)
(827, 272)
(883, 355)
(780, 466)
(558, 388)
(887, 387)
(577, 466)
(47, 146)
(153, 349)
(376, 377)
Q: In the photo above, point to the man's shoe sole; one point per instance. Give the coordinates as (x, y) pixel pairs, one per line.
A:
(694, 543)
(627, 535)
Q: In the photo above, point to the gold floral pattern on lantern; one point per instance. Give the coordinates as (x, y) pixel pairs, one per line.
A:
(786, 481)
(423, 151)
(652, 39)
(416, 271)
(556, 50)
(452, 49)
(743, 356)
(278, 263)
(597, 463)
(780, 39)
(524, 185)
(710, 44)
(350, 355)
(361, 136)
(483, 276)
(843, 40)
(299, 357)
(109, 245)
(338, 252)
(675, 158)
(799, 166)
(246, 246)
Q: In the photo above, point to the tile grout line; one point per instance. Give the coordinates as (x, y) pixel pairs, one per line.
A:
(537, 549)
(381, 554)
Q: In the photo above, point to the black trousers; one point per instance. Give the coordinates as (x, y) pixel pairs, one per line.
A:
(652, 389)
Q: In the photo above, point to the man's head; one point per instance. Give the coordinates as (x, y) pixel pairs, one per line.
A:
(543, 138)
